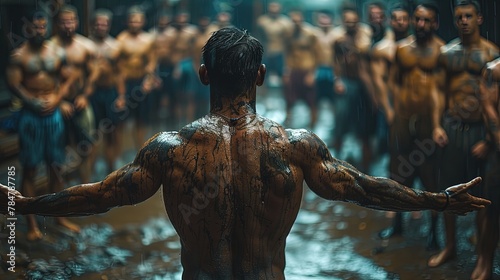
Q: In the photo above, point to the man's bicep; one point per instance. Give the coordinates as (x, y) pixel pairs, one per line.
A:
(325, 175)
(129, 185)
(330, 179)
(14, 75)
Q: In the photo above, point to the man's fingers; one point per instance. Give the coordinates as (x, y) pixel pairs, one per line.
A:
(475, 181)
(462, 188)
(482, 201)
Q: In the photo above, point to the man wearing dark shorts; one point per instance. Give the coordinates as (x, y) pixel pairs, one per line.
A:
(137, 64)
(302, 53)
(354, 105)
(462, 136)
(108, 98)
(414, 81)
(33, 75)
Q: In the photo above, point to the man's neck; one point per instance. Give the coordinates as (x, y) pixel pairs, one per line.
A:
(232, 107)
(99, 39)
(471, 40)
(67, 40)
(401, 35)
(134, 34)
(423, 42)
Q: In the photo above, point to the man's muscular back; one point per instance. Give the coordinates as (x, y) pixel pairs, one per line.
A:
(244, 178)
(463, 68)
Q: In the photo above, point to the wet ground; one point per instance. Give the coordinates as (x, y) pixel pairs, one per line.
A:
(330, 240)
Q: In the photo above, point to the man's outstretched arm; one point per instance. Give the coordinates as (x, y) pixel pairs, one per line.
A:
(337, 180)
(128, 185)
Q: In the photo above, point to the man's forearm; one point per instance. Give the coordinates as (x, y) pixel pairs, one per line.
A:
(75, 201)
(387, 194)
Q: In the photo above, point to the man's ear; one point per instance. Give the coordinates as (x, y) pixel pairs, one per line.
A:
(261, 75)
(203, 73)
(480, 19)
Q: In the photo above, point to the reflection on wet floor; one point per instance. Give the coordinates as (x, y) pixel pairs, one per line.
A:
(330, 240)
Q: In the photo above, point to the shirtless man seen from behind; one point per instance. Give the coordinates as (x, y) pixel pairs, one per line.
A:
(233, 180)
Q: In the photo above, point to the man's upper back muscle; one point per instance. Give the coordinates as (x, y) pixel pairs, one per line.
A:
(233, 187)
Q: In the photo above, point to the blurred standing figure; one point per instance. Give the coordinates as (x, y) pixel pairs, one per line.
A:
(108, 97)
(415, 92)
(490, 104)
(137, 63)
(377, 20)
(184, 76)
(76, 109)
(382, 57)
(34, 75)
(303, 54)
(164, 96)
(324, 73)
(271, 31)
(202, 92)
(459, 126)
(354, 106)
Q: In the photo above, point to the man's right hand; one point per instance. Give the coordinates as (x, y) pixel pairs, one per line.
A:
(67, 109)
(439, 136)
(461, 202)
(339, 87)
(49, 104)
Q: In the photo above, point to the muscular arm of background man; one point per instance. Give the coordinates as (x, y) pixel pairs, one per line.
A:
(489, 98)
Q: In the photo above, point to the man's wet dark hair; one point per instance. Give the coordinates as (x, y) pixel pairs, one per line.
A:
(347, 6)
(68, 9)
(39, 15)
(135, 10)
(430, 5)
(232, 58)
(378, 4)
(398, 6)
(469, 2)
(103, 13)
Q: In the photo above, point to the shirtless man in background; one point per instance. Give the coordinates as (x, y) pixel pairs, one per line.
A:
(302, 57)
(164, 96)
(137, 64)
(271, 31)
(416, 92)
(233, 181)
(352, 42)
(184, 36)
(76, 109)
(108, 97)
(461, 131)
(34, 75)
(490, 104)
(324, 72)
(382, 57)
(202, 92)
